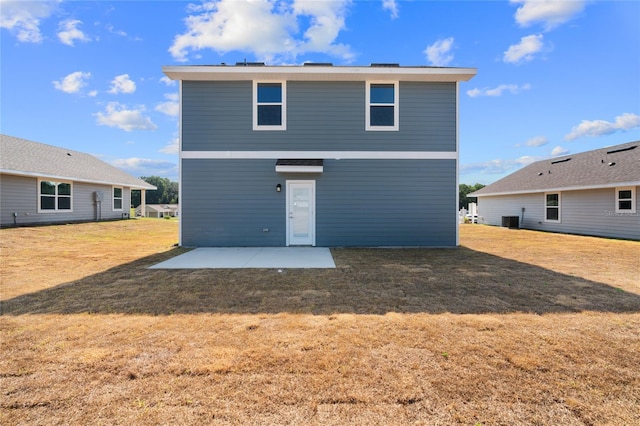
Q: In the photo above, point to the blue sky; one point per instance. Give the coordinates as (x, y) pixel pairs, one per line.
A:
(554, 77)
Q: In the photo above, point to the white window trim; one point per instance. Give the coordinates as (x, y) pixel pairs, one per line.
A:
(55, 210)
(559, 207)
(283, 126)
(396, 107)
(633, 199)
(113, 199)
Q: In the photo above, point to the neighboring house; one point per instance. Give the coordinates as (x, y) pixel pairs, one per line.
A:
(591, 193)
(158, 210)
(318, 155)
(46, 184)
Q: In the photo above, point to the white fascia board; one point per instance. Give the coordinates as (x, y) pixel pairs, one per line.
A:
(299, 169)
(329, 73)
(560, 189)
(74, 179)
(327, 155)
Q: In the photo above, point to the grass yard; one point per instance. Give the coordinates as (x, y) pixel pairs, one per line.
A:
(514, 327)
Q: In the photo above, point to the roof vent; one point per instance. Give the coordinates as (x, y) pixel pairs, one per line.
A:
(383, 65)
(612, 164)
(540, 174)
(561, 161)
(318, 64)
(622, 149)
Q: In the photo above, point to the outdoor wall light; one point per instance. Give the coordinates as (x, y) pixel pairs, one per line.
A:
(278, 188)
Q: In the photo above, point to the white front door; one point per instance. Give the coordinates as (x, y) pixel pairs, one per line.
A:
(301, 213)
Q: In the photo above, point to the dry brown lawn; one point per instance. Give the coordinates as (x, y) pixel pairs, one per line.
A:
(514, 327)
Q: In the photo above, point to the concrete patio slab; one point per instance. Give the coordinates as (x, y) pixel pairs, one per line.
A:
(250, 257)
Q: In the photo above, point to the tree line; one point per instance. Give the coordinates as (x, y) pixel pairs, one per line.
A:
(464, 190)
(167, 192)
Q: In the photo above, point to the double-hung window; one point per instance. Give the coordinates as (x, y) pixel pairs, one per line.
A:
(117, 198)
(626, 200)
(269, 105)
(552, 207)
(54, 196)
(382, 106)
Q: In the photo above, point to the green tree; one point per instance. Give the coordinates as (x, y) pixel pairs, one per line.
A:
(464, 191)
(167, 192)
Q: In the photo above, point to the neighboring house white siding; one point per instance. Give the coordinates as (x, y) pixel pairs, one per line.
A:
(586, 212)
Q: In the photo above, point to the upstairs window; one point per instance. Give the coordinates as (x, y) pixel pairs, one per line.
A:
(626, 200)
(117, 198)
(552, 207)
(269, 106)
(54, 196)
(382, 106)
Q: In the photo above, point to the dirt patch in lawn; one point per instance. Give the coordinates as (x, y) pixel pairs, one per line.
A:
(514, 327)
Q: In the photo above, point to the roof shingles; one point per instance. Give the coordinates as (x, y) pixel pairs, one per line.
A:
(28, 158)
(605, 167)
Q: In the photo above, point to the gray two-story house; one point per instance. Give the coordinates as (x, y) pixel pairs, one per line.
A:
(318, 155)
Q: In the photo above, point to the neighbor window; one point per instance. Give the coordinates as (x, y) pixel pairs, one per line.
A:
(626, 200)
(54, 196)
(382, 106)
(117, 198)
(269, 106)
(552, 207)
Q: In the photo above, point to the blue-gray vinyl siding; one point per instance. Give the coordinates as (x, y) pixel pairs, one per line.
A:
(584, 212)
(358, 203)
(19, 194)
(321, 116)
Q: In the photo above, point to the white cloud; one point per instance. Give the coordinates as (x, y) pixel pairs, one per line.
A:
(551, 13)
(392, 7)
(558, 150)
(117, 115)
(626, 121)
(537, 141)
(145, 166)
(23, 18)
(166, 80)
(497, 166)
(171, 107)
(122, 84)
(268, 29)
(514, 89)
(172, 147)
(524, 51)
(438, 53)
(68, 32)
(73, 82)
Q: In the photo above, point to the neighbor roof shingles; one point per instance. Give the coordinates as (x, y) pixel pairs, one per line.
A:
(28, 158)
(587, 169)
